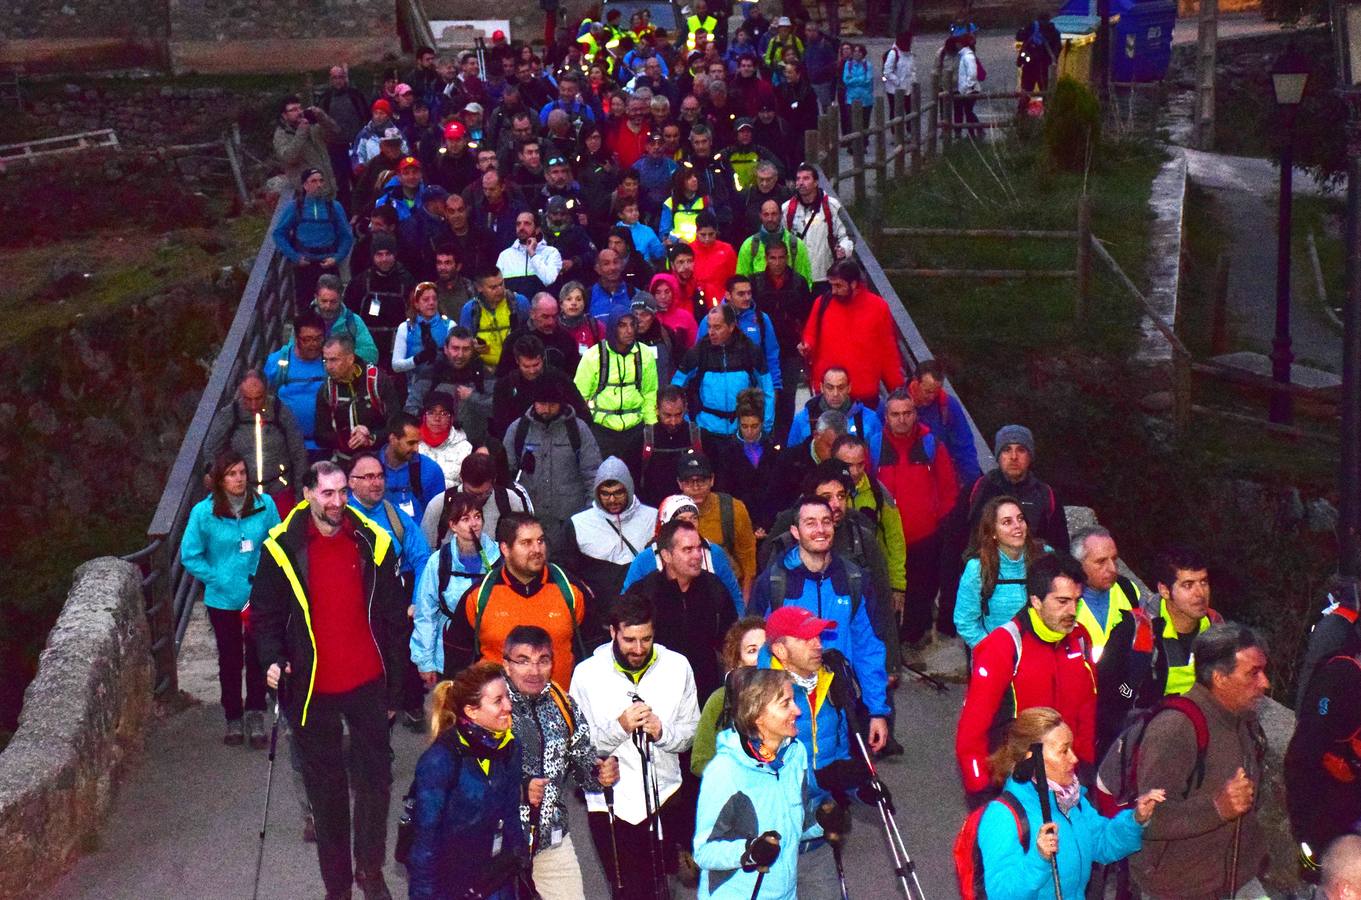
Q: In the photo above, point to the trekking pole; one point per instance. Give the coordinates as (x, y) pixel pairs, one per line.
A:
(640, 741)
(840, 870)
(269, 786)
(1233, 855)
(903, 868)
(760, 877)
(1042, 788)
(614, 847)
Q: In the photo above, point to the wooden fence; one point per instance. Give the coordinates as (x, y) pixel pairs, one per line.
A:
(896, 143)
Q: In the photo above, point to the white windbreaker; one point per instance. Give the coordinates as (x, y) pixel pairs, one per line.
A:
(603, 691)
(900, 69)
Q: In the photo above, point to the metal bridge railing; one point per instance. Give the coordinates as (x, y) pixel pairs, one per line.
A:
(265, 308)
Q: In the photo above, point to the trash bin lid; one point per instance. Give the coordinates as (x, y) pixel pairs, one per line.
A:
(1070, 26)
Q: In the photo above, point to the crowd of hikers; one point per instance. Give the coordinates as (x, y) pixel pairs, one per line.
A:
(531, 475)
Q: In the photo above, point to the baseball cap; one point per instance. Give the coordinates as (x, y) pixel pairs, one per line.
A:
(643, 300)
(391, 133)
(796, 622)
(693, 465)
(654, 137)
(381, 105)
(404, 89)
(783, 22)
(498, 35)
(473, 107)
(408, 162)
(744, 122)
(454, 131)
(556, 204)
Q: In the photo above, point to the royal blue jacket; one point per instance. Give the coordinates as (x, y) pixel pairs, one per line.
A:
(314, 234)
(459, 812)
(431, 481)
(223, 553)
(947, 421)
(413, 549)
(720, 373)
(758, 329)
(801, 428)
(827, 594)
(741, 798)
(1085, 837)
(296, 382)
(824, 729)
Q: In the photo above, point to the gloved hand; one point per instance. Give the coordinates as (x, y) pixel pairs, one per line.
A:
(761, 851)
(427, 336)
(427, 355)
(835, 821)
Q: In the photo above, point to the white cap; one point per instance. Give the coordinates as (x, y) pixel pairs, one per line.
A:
(783, 22)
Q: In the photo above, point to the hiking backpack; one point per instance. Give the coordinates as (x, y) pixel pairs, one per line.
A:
(1117, 784)
(779, 579)
(522, 430)
(968, 856)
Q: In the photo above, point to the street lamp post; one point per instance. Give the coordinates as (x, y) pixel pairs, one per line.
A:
(1289, 76)
(1346, 18)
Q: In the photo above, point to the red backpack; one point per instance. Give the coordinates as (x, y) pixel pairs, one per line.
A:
(969, 857)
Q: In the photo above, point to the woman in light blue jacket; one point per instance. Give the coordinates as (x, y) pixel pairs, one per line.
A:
(754, 803)
(1077, 835)
(992, 589)
(467, 556)
(221, 548)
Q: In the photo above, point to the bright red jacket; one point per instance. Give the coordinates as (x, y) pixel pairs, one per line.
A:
(1058, 674)
(856, 334)
(918, 471)
(626, 145)
(714, 265)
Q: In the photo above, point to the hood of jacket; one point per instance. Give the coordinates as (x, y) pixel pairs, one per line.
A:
(612, 468)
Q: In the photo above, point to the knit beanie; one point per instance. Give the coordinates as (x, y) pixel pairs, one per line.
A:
(1013, 434)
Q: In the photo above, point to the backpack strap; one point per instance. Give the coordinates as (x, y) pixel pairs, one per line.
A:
(446, 571)
(413, 477)
(1013, 803)
(484, 590)
(1011, 628)
(398, 529)
(649, 442)
(1193, 712)
(779, 580)
(564, 586)
(831, 231)
(371, 385)
(564, 707)
(725, 520)
(521, 430)
(502, 496)
(695, 442)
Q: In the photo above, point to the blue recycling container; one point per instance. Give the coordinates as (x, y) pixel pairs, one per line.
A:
(1142, 47)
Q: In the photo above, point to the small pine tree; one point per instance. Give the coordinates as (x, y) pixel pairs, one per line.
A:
(1072, 125)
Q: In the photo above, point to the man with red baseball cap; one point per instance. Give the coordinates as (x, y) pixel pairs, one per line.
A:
(794, 644)
(403, 193)
(454, 167)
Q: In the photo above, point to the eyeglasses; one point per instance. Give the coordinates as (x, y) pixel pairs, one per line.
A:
(437, 413)
(524, 662)
(374, 476)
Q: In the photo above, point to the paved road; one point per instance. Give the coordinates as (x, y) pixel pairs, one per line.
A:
(187, 823)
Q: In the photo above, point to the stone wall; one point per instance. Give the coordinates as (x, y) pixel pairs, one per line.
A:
(84, 719)
(197, 35)
(85, 34)
(236, 35)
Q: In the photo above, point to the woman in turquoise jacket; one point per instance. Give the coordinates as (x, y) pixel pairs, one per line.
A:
(754, 803)
(1077, 836)
(858, 76)
(221, 548)
(468, 556)
(992, 589)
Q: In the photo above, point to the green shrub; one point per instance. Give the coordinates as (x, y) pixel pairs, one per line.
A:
(1072, 125)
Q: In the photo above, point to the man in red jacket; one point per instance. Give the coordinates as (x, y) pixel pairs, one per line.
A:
(851, 327)
(1040, 658)
(915, 466)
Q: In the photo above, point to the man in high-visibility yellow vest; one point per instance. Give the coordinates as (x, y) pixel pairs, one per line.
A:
(1107, 593)
(1148, 654)
(698, 20)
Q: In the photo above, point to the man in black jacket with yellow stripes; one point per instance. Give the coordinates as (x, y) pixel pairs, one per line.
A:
(328, 616)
